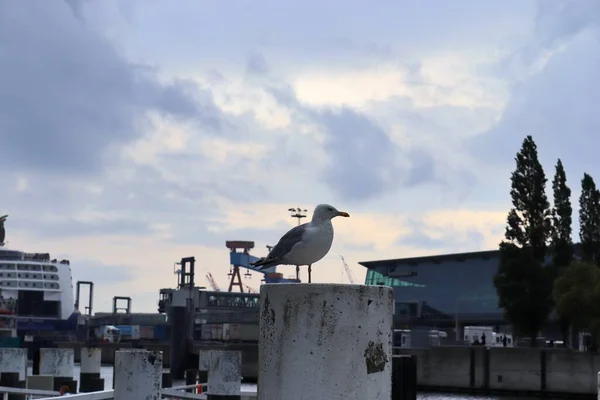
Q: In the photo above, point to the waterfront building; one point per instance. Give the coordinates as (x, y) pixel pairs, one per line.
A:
(441, 290)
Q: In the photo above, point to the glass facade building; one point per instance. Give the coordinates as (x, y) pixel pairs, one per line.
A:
(441, 288)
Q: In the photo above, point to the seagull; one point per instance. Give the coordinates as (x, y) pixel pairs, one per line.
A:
(304, 244)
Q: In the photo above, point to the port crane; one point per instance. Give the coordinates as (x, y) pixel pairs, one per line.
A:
(212, 282)
(347, 269)
(240, 257)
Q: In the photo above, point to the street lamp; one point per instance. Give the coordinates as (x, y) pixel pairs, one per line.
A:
(298, 213)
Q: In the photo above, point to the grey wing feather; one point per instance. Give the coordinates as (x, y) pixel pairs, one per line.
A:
(287, 241)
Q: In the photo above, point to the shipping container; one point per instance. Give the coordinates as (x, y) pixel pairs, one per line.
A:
(216, 332)
(146, 332)
(205, 331)
(125, 331)
(234, 332)
(129, 332)
(225, 332)
(135, 332)
(160, 332)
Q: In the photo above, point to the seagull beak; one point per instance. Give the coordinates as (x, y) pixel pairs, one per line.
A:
(343, 214)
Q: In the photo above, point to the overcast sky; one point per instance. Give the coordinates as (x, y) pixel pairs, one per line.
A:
(135, 133)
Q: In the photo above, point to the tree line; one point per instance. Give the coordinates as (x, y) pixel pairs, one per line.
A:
(541, 270)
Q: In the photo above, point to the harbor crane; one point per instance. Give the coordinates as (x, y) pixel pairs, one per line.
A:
(212, 282)
(347, 268)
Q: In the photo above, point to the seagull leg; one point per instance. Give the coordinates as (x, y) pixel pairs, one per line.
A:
(309, 271)
(298, 272)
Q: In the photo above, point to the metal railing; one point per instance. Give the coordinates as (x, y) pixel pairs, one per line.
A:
(167, 393)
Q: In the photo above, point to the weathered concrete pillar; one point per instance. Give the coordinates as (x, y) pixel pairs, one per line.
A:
(225, 375)
(57, 362)
(138, 374)
(91, 363)
(14, 360)
(325, 341)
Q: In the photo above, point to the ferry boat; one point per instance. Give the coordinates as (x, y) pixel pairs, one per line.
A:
(41, 289)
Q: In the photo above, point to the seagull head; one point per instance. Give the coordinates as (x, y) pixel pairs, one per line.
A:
(326, 212)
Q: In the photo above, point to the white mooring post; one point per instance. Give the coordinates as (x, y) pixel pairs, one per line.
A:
(57, 362)
(14, 360)
(225, 374)
(325, 341)
(91, 360)
(138, 374)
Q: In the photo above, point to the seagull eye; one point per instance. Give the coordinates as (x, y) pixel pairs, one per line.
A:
(330, 209)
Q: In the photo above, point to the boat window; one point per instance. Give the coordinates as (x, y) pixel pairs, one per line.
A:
(7, 266)
(50, 268)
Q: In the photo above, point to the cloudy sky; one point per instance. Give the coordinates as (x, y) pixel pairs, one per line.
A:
(134, 133)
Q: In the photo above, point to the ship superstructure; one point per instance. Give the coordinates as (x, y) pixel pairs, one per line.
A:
(41, 287)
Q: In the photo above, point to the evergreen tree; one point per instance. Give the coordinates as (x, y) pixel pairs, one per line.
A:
(523, 284)
(562, 244)
(562, 218)
(589, 220)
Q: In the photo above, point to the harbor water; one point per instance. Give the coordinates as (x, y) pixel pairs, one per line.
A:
(106, 372)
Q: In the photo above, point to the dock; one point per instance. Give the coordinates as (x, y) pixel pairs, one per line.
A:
(306, 335)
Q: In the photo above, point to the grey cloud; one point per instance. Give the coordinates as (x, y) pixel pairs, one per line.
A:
(71, 228)
(340, 33)
(67, 95)
(364, 161)
(256, 65)
(447, 240)
(560, 102)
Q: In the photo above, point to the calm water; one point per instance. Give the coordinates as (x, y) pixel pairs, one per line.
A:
(106, 372)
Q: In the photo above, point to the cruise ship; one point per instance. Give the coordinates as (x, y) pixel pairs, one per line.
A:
(41, 288)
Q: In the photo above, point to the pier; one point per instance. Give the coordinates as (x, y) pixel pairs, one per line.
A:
(307, 334)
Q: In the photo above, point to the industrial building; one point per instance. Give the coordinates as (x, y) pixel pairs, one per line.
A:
(443, 290)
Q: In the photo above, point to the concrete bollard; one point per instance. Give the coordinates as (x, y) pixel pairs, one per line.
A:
(138, 375)
(14, 360)
(325, 341)
(225, 375)
(57, 362)
(203, 365)
(91, 363)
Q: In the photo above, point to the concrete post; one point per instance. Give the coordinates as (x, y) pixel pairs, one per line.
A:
(325, 341)
(14, 360)
(91, 360)
(57, 362)
(138, 374)
(91, 363)
(225, 375)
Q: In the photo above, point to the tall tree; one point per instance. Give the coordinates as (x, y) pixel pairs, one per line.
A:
(523, 284)
(589, 220)
(562, 243)
(562, 219)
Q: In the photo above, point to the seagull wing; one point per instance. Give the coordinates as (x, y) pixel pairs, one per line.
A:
(283, 247)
